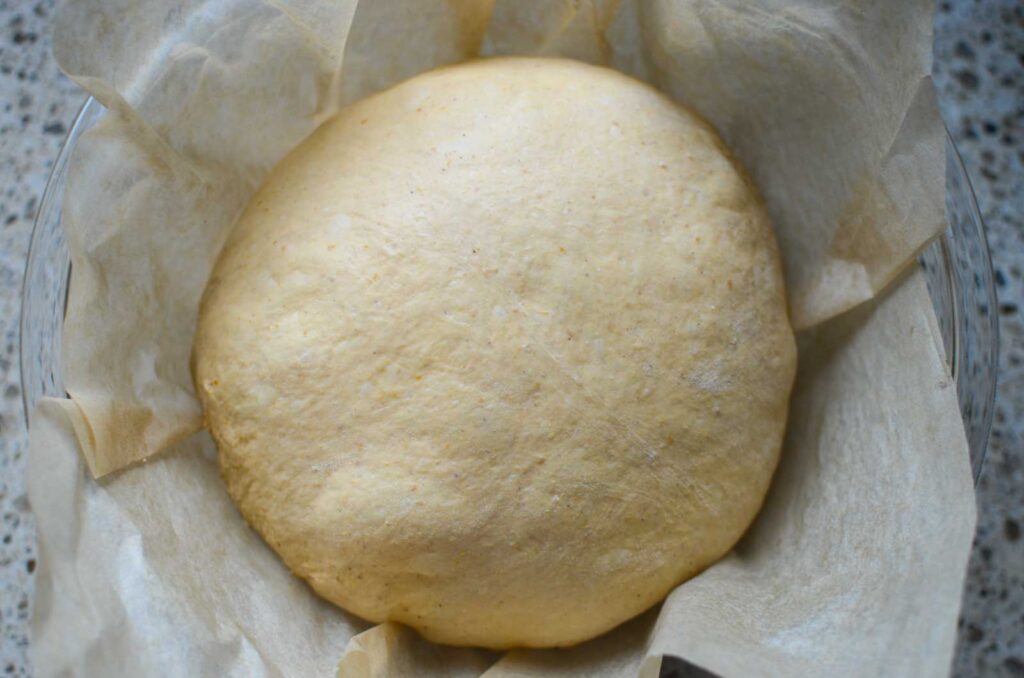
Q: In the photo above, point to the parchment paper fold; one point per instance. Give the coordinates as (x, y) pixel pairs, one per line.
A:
(854, 567)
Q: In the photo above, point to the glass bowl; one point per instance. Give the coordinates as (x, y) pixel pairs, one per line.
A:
(957, 266)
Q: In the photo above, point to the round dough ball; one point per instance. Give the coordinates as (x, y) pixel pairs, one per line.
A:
(501, 353)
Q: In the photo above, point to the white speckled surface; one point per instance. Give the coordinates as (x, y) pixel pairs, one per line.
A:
(37, 105)
(980, 74)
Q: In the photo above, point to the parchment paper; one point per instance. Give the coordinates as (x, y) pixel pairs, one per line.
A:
(854, 567)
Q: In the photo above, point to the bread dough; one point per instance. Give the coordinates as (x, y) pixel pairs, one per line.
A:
(501, 353)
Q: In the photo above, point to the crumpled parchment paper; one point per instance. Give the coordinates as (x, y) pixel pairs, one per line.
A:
(854, 567)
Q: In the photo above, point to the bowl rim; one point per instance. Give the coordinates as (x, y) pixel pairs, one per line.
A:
(50, 192)
(991, 299)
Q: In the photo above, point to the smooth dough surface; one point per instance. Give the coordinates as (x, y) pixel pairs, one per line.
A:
(501, 353)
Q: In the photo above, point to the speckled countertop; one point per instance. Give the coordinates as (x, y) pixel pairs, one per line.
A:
(980, 74)
(979, 57)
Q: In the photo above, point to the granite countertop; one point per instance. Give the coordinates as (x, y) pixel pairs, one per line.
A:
(979, 71)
